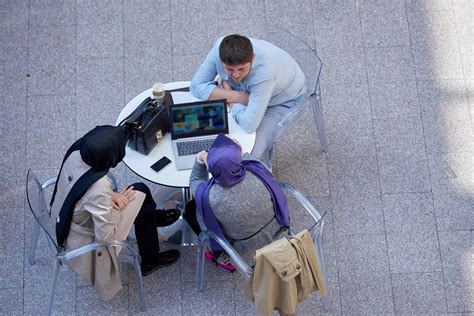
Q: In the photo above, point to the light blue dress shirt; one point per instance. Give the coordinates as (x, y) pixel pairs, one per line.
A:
(275, 78)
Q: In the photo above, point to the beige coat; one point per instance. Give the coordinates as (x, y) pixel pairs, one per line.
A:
(286, 272)
(94, 219)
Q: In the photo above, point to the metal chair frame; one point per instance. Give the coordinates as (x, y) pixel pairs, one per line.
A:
(313, 101)
(316, 232)
(42, 216)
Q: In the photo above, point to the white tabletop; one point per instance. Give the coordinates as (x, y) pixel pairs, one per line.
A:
(170, 176)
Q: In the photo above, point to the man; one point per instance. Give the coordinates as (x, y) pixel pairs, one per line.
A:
(260, 81)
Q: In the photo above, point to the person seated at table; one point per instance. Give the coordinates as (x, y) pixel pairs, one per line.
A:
(239, 202)
(87, 209)
(260, 81)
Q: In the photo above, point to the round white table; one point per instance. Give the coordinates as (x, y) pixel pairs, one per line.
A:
(179, 232)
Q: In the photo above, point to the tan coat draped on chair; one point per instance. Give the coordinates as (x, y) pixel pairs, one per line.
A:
(286, 272)
(95, 220)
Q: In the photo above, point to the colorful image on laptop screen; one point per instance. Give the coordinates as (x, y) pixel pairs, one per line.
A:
(198, 118)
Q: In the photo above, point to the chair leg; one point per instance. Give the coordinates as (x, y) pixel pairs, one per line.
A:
(318, 117)
(327, 300)
(200, 262)
(34, 244)
(138, 272)
(54, 282)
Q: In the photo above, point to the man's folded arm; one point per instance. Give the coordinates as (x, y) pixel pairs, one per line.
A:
(249, 116)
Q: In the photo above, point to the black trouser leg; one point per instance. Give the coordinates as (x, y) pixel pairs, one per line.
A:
(190, 217)
(146, 223)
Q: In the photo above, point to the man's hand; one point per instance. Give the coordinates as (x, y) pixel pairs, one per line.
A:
(121, 199)
(228, 93)
(225, 85)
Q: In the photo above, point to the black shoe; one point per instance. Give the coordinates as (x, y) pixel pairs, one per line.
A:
(163, 259)
(167, 217)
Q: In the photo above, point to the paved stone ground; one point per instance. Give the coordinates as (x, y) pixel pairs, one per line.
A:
(398, 98)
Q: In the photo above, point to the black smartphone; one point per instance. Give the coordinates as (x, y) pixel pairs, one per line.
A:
(160, 164)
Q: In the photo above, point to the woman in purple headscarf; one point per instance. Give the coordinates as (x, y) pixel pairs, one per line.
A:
(240, 202)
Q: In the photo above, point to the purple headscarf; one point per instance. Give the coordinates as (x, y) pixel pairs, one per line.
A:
(227, 168)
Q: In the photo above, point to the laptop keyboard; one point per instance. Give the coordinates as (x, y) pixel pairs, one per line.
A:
(192, 147)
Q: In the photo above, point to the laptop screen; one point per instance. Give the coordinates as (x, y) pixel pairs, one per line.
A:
(199, 119)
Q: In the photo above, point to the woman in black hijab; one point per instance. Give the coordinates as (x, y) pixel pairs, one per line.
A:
(87, 209)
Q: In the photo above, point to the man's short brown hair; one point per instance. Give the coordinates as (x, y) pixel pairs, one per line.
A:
(235, 50)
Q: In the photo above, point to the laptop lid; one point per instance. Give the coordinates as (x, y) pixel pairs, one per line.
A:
(199, 119)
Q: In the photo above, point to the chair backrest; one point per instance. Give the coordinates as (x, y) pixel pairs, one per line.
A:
(305, 56)
(38, 206)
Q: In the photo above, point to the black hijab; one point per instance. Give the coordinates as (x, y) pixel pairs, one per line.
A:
(101, 148)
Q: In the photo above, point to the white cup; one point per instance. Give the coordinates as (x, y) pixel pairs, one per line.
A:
(158, 92)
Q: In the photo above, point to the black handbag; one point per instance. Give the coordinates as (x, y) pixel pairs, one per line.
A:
(148, 123)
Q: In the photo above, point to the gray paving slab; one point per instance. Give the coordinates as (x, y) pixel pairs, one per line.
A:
(450, 131)
(14, 116)
(361, 214)
(366, 294)
(99, 40)
(148, 11)
(51, 61)
(247, 9)
(389, 65)
(454, 204)
(185, 66)
(456, 252)
(409, 212)
(13, 79)
(187, 29)
(442, 96)
(440, 58)
(404, 133)
(161, 299)
(15, 41)
(428, 6)
(11, 301)
(250, 27)
(353, 176)
(300, 22)
(394, 100)
(14, 13)
(11, 270)
(99, 12)
(99, 92)
(52, 13)
(147, 57)
(362, 255)
(49, 133)
(445, 167)
(417, 293)
(397, 169)
(345, 104)
(87, 301)
(413, 251)
(13, 232)
(384, 23)
(210, 300)
(304, 166)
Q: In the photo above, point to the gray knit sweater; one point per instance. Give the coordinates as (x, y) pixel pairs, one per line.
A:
(242, 209)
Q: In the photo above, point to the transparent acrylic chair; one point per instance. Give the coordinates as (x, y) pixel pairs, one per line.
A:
(311, 64)
(35, 192)
(316, 231)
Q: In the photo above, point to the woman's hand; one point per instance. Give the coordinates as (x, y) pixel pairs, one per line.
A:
(121, 199)
(202, 156)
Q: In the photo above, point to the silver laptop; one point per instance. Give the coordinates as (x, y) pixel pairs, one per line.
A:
(194, 126)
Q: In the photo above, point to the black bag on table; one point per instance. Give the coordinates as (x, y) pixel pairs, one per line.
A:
(148, 123)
